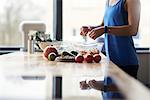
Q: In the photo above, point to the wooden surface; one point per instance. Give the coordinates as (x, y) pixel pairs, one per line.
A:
(24, 63)
(29, 76)
(130, 87)
(21, 66)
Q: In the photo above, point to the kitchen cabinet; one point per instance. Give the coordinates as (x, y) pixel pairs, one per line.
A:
(144, 68)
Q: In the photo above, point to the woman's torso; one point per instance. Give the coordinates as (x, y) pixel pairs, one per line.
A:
(121, 48)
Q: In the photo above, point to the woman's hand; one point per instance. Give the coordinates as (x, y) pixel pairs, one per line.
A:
(85, 30)
(96, 32)
(84, 85)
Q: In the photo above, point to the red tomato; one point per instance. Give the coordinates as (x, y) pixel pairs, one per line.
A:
(88, 58)
(97, 58)
(79, 58)
(48, 50)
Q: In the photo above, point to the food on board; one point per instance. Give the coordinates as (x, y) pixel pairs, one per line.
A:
(97, 58)
(79, 58)
(48, 50)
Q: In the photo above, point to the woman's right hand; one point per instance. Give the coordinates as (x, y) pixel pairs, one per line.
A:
(84, 30)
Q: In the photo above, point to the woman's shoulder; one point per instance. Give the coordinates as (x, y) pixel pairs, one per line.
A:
(132, 3)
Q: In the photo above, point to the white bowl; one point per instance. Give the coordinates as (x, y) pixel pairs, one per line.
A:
(69, 46)
(43, 45)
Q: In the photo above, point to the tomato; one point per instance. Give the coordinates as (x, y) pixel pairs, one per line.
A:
(88, 58)
(97, 58)
(79, 58)
(48, 50)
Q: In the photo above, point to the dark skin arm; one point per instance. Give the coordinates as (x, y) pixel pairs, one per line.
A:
(133, 8)
(86, 29)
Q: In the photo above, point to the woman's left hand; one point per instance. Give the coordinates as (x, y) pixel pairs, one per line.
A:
(96, 32)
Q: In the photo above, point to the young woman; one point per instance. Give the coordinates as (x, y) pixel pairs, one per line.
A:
(121, 22)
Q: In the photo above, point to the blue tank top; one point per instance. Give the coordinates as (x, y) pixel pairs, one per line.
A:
(121, 48)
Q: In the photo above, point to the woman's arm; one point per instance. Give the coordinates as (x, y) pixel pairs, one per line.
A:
(86, 29)
(133, 8)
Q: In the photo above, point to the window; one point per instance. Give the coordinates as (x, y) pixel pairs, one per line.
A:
(77, 13)
(144, 30)
(12, 12)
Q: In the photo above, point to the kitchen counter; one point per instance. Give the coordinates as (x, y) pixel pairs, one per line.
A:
(19, 70)
(130, 87)
(142, 47)
(143, 50)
